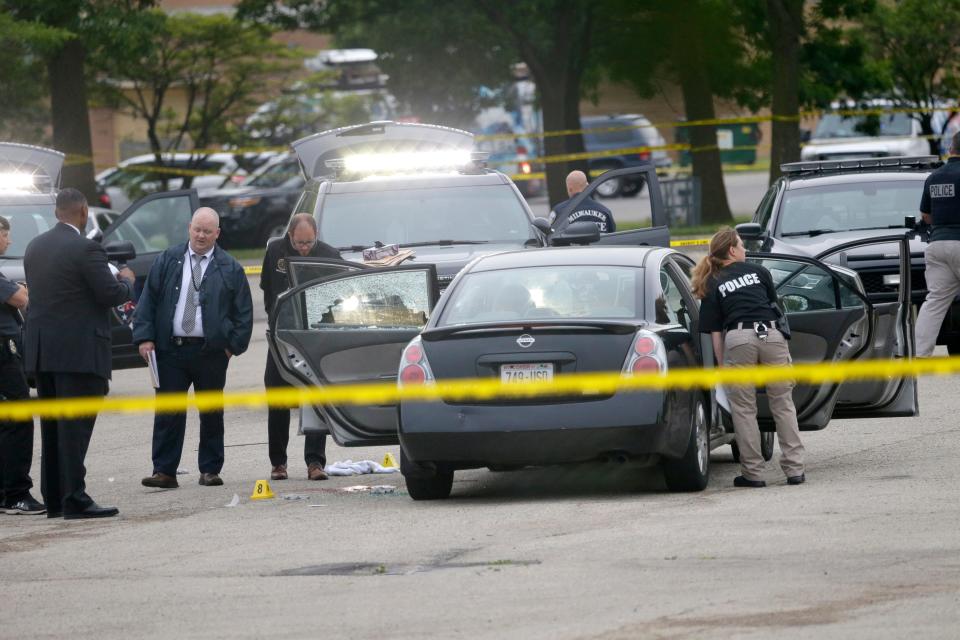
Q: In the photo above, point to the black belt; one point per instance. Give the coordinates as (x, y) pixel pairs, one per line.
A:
(181, 341)
(771, 324)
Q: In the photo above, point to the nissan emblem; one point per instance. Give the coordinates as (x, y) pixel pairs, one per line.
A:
(525, 340)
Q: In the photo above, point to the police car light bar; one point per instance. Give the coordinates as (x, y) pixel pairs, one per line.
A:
(17, 181)
(824, 166)
(405, 162)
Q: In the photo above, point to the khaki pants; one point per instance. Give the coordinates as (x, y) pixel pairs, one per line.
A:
(943, 284)
(742, 348)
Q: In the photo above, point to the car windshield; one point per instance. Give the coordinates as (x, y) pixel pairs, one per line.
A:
(488, 213)
(567, 292)
(846, 207)
(27, 221)
(277, 175)
(833, 125)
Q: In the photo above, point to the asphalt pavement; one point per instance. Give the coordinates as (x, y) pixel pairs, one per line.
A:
(868, 547)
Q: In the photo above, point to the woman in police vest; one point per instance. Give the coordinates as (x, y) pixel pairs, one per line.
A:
(739, 311)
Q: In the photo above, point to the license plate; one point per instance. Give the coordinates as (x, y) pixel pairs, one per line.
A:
(527, 372)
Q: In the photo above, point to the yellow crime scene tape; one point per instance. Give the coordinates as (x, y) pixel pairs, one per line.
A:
(587, 384)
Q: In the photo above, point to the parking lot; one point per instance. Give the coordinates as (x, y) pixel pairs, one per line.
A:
(866, 548)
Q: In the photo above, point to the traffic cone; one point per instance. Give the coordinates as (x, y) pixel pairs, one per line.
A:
(262, 491)
(389, 461)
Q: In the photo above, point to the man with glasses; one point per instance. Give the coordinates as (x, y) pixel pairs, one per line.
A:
(300, 240)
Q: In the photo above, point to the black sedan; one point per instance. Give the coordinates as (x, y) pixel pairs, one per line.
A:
(543, 313)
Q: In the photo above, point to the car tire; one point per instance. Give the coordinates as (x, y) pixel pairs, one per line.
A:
(425, 481)
(611, 188)
(766, 446)
(692, 471)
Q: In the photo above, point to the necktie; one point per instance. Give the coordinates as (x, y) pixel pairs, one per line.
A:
(193, 295)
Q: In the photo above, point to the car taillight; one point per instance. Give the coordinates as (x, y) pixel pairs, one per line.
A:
(525, 168)
(644, 155)
(105, 200)
(646, 355)
(521, 150)
(414, 368)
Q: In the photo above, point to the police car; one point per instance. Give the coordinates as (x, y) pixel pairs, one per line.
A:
(29, 179)
(818, 206)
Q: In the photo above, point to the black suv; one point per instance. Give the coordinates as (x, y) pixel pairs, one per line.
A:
(818, 206)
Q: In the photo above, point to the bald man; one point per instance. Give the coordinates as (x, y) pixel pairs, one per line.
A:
(589, 210)
(195, 313)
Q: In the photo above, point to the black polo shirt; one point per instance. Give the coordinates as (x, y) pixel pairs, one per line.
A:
(740, 292)
(589, 210)
(273, 277)
(941, 199)
(9, 315)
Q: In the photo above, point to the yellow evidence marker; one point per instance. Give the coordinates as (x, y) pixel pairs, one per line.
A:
(389, 461)
(262, 491)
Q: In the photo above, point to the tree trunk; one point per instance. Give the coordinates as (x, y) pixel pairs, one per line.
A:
(786, 23)
(698, 105)
(561, 110)
(71, 118)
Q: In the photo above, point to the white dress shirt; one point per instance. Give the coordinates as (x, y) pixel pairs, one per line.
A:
(186, 288)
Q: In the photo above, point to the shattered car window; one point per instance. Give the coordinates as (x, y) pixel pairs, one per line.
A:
(375, 301)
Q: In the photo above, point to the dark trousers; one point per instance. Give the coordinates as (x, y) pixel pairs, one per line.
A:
(64, 442)
(16, 436)
(180, 368)
(278, 427)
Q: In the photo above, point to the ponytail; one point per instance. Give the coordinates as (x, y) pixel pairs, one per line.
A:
(718, 255)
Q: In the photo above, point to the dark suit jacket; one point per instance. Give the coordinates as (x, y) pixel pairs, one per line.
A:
(71, 293)
(225, 302)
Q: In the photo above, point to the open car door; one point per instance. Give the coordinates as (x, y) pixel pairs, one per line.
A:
(304, 269)
(657, 235)
(893, 324)
(351, 328)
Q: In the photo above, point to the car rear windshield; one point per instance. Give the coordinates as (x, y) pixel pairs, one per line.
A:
(27, 221)
(845, 207)
(833, 125)
(568, 292)
(481, 213)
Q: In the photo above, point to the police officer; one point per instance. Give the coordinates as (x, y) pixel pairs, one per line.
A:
(940, 207)
(16, 436)
(589, 210)
(300, 240)
(739, 312)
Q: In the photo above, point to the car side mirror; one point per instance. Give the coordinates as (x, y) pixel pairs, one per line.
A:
(910, 222)
(542, 224)
(577, 233)
(120, 252)
(750, 231)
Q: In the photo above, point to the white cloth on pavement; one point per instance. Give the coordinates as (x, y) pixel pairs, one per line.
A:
(357, 468)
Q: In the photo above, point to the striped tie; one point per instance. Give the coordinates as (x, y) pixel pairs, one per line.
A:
(193, 295)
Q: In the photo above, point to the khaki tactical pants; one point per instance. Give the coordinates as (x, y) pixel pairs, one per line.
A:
(943, 284)
(742, 348)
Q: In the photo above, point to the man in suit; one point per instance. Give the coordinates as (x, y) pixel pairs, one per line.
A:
(195, 313)
(300, 240)
(68, 346)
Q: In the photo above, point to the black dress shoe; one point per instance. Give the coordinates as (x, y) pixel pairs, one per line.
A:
(93, 511)
(26, 507)
(160, 481)
(740, 481)
(800, 479)
(210, 480)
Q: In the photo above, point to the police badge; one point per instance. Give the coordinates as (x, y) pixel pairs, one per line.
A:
(12, 346)
(282, 265)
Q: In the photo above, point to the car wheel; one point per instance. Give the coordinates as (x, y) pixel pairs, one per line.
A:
(766, 446)
(692, 471)
(610, 188)
(425, 481)
(632, 189)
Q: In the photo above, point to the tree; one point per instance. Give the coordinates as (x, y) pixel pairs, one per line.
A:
(219, 65)
(23, 109)
(918, 46)
(553, 37)
(85, 25)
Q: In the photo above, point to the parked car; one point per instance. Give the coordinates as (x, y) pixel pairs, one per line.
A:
(848, 136)
(618, 137)
(816, 206)
(540, 314)
(136, 177)
(134, 237)
(258, 209)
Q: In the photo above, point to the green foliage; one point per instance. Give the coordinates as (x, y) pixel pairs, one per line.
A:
(219, 66)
